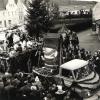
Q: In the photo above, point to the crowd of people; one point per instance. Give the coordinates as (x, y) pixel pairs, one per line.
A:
(77, 13)
(23, 41)
(19, 85)
(23, 86)
(19, 50)
(71, 50)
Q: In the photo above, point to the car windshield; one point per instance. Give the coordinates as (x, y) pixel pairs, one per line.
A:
(67, 73)
(81, 73)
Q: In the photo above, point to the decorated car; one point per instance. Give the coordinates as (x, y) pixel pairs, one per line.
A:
(80, 72)
(77, 71)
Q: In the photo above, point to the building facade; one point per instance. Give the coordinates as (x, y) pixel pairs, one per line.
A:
(96, 19)
(96, 12)
(12, 12)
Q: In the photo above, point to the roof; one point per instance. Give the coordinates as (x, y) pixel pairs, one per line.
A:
(74, 64)
(3, 3)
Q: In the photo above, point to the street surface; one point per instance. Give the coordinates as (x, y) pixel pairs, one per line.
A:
(88, 40)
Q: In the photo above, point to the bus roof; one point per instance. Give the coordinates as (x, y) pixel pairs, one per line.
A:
(74, 64)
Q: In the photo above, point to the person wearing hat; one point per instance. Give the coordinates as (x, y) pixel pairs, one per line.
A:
(97, 63)
(9, 37)
(29, 44)
(66, 41)
(82, 52)
(19, 48)
(51, 92)
(88, 55)
(71, 94)
(13, 52)
(23, 45)
(22, 37)
(8, 87)
(74, 40)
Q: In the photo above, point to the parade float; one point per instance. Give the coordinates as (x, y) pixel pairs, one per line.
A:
(50, 63)
(77, 71)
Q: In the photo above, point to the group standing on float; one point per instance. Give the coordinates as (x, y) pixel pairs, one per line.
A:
(70, 47)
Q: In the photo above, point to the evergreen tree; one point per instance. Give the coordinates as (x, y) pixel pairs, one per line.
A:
(38, 19)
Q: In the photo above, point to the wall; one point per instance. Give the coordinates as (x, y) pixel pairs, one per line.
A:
(96, 12)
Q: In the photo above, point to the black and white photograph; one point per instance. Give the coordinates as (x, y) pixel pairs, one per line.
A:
(49, 49)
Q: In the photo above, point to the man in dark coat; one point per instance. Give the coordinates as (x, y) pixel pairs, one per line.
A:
(9, 37)
(72, 94)
(9, 89)
(67, 41)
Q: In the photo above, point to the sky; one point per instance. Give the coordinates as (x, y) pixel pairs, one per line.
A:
(89, 0)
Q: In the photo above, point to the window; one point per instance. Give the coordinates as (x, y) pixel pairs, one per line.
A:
(20, 17)
(0, 23)
(5, 24)
(82, 72)
(67, 73)
(9, 21)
